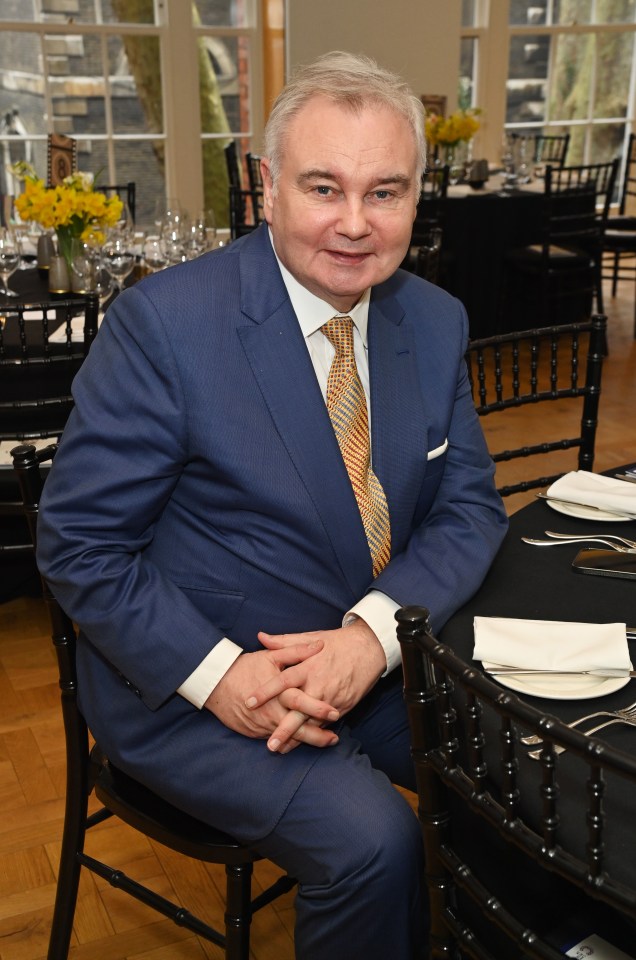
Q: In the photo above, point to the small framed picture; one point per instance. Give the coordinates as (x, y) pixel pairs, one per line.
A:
(62, 158)
(434, 104)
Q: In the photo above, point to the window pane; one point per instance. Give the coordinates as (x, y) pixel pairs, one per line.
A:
(613, 73)
(615, 11)
(123, 11)
(468, 13)
(571, 83)
(523, 13)
(142, 162)
(606, 142)
(222, 13)
(18, 10)
(527, 79)
(135, 84)
(225, 61)
(467, 73)
(572, 11)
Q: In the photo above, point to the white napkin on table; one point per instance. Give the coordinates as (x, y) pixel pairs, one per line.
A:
(77, 330)
(550, 644)
(591, 489)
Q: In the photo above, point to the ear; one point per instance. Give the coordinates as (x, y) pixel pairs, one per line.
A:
(268, 189)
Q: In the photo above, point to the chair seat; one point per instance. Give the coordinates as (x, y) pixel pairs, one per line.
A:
(144, 810)
(620, 239)
(621, 223)
(532, 256)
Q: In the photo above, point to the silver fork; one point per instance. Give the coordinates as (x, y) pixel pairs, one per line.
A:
(561, 543)
(628, 713)
(575, 536)
(536, 754)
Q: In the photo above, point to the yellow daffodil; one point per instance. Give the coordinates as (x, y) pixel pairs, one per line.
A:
(448, 131)
(74, 209)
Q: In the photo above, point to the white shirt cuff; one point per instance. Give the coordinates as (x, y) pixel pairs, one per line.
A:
(378, 612)
(199, 685)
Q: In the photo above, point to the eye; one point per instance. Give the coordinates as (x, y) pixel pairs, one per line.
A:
(323, 191)
(382, 194)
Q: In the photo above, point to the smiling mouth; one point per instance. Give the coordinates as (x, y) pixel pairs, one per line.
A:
(349, 256)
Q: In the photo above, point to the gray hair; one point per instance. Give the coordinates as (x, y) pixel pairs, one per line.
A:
(348, 80)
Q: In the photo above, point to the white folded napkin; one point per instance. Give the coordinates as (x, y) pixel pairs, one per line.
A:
(77, 330)
(550, 644)
(591, 489)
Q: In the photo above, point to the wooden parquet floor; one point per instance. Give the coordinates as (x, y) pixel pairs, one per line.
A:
(109, 926)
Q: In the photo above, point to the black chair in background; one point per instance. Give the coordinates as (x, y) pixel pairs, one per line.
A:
(562, 363)
(562, 275)
(246, 211)
(508, 872)
(233, 167)
(547, 148)
(89, 771)
(619, 244)
(254, 171)
(426, 247)
(126, 191)
(38, 361)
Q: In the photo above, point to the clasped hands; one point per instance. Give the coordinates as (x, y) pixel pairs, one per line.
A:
(300, 682)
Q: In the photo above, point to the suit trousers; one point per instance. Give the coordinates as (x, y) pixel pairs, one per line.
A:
(354, 842)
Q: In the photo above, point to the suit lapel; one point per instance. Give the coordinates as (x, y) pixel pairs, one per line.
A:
(277, 353)
(398, 413)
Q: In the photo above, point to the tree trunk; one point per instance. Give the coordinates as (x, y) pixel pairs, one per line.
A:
(143, 61)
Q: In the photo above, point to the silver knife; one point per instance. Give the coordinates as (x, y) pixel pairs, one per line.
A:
(598, 672)
(587, 506)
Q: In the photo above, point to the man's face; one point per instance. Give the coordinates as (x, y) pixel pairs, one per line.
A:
(343, 208)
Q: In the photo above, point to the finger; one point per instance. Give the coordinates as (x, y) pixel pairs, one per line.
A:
(294, 726)
(288, 685)
(279, 641)
(287, 656)
(315, 709)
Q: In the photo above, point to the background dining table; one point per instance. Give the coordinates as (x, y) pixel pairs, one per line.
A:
(479, 226)
(532, 582)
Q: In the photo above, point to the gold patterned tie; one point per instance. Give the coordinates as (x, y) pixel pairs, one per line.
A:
(347, 408)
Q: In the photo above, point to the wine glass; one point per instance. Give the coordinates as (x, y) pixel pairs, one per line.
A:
(118, 258)
(102, 284)
(85, 261)
(154, 253)
(204, 226)
(9, 261)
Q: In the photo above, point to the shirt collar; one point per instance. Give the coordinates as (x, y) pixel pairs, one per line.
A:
(312, 312)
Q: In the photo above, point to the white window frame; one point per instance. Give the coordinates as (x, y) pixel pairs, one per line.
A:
(492, 34)
(180, 78)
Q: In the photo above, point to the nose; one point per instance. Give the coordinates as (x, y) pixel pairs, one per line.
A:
(353, 221)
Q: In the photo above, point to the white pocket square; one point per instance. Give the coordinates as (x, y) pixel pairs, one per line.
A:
(438, 451)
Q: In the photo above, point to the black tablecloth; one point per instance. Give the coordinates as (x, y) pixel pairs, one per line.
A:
(478, 230)
(538, 583)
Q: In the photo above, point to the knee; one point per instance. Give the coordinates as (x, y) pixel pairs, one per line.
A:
(388, 849)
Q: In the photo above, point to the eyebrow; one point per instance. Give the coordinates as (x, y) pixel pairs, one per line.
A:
(315, 173)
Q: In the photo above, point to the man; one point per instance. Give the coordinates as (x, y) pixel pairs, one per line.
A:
(202, 526)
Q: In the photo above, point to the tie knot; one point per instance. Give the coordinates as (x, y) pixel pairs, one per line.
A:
(339, 332)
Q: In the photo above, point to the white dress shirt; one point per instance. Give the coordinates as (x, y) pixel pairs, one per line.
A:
(376, 609)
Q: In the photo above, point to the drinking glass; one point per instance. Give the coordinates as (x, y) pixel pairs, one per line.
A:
(103, 285)
(85, 262)
(154, 253)
(119, 258)
(204, 225)
(9, 261)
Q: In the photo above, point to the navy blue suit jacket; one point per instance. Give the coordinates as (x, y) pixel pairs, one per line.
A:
(199, 492)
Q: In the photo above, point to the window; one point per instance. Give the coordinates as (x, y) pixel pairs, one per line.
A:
(555, 66)
(136, 85)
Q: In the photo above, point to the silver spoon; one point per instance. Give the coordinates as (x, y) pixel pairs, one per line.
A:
(561, 543)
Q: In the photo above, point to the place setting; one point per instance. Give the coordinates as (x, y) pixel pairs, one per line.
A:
(596, 498)
(555, 660)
